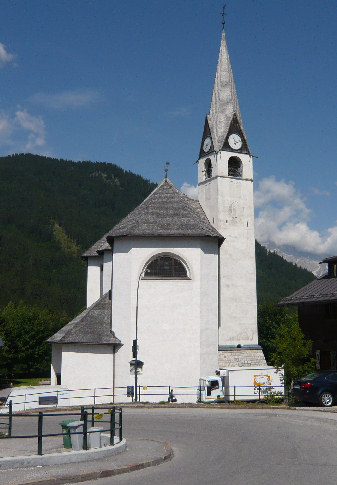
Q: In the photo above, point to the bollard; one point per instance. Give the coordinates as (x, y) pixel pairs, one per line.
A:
(39, 433)
(112, 426)
(92, 416)
(120, 424)
(10, 419)
(85, 430)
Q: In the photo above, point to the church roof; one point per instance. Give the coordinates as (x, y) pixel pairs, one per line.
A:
(99, 246)
(92, 326)
(224, 102)
(166, 212)
(323, 290)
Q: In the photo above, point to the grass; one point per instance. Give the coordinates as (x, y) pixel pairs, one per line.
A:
(31, 381)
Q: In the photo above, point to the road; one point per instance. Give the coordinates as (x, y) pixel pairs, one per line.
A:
(235, 447)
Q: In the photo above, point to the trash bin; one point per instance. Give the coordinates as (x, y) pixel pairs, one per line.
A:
(76, 439)
(66, 432)
(94, 434)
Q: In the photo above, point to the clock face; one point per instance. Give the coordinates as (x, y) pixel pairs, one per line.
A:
(235, 141)
(207, 144)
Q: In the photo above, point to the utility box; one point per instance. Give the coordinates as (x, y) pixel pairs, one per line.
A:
(76, 434)
(95, 437)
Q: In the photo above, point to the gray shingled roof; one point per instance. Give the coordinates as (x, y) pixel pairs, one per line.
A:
(89, 327)
(101, 245)
(166, 212)
(332, 259)
(323, 290)
(224, 99)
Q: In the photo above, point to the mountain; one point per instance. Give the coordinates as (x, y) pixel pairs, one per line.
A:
(276, 277)
(52, 210)
(305, 261)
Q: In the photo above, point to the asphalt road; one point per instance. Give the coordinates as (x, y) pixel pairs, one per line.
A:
(234, 447)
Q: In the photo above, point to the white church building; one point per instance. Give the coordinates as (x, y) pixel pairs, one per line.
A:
(176, 275)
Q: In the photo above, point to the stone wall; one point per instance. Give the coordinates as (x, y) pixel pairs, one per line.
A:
(241, 358)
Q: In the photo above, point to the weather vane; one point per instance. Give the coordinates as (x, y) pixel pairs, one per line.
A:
(223, 16)
(166, 168)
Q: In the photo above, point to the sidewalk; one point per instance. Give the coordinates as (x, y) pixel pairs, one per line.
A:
(139, 454)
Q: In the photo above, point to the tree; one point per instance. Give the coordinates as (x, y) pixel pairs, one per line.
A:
(24, 331)
(292, 350)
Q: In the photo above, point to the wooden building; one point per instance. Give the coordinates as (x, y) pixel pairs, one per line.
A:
(317, 314)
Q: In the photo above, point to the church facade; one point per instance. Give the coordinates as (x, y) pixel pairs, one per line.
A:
(171, 289)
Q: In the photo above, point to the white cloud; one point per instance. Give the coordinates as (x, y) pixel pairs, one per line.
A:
(180, 112)
(189, 190)
(283, 219)
(5, 56)
(6, 128)
(66, 99)
(35, 127)
(21, 131)
(320, 192)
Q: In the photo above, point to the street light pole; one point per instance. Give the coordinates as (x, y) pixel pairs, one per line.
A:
(135, 342)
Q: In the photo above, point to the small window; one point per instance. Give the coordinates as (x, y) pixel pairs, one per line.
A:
(234, 167)
(208, 168)
(332, 270)
(165, 267)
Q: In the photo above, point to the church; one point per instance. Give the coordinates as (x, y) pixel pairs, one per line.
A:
(171, 289)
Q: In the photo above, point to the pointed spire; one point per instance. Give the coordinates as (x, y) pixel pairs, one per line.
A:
(224, 102)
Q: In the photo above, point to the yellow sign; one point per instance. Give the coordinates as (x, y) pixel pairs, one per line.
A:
(144, 388)
(262, 380)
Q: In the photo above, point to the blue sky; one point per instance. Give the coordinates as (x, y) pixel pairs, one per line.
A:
(130, 83)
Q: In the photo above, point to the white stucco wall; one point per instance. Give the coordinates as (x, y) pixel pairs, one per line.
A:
(228, 203)
(107, 269)
(94, 279)
(56, 363)
(87, 366)
(177, 319)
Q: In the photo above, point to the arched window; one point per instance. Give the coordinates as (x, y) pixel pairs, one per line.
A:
(165, 266)
(234, 167)
(208, 168)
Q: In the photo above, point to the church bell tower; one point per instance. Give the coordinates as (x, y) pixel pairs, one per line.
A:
(225, 191)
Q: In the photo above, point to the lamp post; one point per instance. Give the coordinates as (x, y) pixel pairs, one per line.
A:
(135, 342)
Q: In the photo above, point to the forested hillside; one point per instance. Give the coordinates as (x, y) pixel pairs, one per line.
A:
(52, 210)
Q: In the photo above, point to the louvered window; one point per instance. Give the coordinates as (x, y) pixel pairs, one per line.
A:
(165, 267)
(234, 167)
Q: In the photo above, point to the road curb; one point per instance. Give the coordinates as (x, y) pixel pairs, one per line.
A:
(108, 472)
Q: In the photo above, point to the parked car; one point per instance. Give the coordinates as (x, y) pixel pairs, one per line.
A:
(317, 388)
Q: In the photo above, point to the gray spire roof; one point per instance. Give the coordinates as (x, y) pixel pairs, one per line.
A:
(224, 102)
(92, 326)
(166, 212)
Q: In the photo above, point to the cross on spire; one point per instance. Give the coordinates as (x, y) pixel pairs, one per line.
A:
(166, 168)
(223, 16)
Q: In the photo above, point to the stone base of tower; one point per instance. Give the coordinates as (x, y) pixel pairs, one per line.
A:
(245, 356)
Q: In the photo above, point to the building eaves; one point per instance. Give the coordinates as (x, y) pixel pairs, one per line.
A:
(99, 246)
(323, 290)
(92, 326)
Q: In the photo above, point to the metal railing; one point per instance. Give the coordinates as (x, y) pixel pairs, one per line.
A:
(149, 393)
(113, 424)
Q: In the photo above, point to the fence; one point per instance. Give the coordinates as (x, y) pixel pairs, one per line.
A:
(61, 397)
(84, 415)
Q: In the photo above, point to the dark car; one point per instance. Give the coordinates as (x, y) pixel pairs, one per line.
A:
(318, 388)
